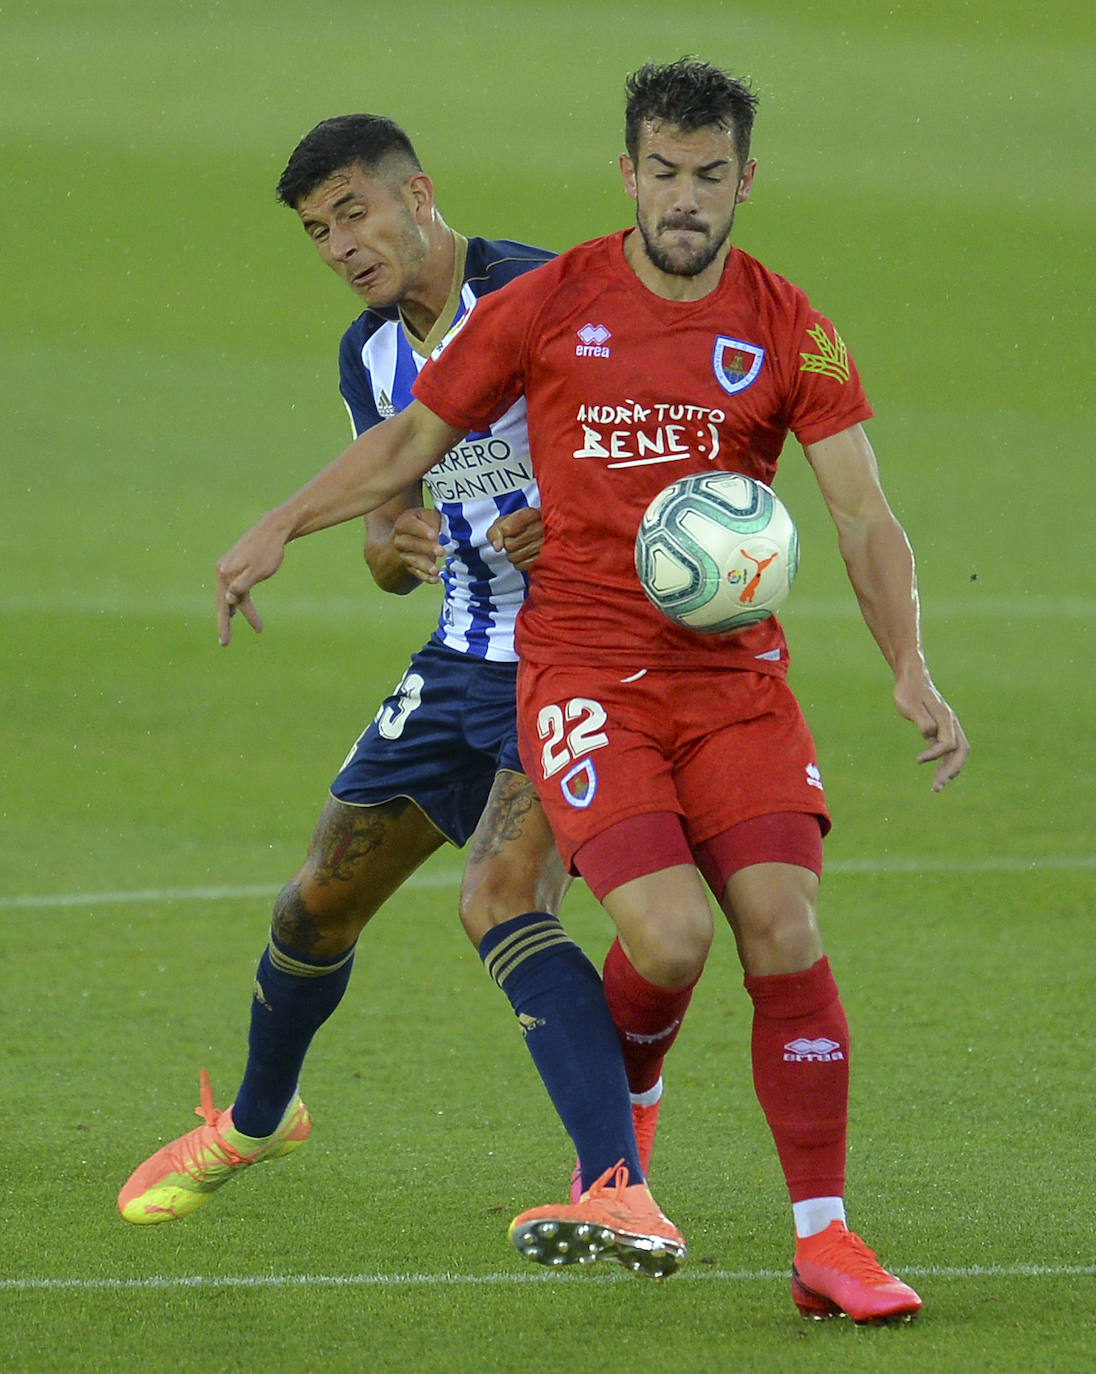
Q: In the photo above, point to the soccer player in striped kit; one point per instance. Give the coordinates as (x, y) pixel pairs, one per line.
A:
(439, 761)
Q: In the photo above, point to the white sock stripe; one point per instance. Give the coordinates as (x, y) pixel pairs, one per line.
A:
(649, 1098)
(814, 1214)
(300, 968)
(638, 1038)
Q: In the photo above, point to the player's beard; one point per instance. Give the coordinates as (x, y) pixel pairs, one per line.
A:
(689, 264)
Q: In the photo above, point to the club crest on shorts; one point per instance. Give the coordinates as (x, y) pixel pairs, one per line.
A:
(579, 785)
(736, 364)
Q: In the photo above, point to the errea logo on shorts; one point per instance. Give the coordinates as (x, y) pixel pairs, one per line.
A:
(820, 1051)
(594, 338)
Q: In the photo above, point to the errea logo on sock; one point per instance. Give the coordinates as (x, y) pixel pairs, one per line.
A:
(821, 1051)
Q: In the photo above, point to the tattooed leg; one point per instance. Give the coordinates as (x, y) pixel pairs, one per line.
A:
(513, 866)
(358, 857)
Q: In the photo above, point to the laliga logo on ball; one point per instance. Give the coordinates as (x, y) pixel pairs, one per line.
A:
(717, 552)
(752, 579)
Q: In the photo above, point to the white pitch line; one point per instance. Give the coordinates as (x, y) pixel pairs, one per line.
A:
(451, 878)
(339, 609)
(123, 896)
(973, 1271)
(1004, 863)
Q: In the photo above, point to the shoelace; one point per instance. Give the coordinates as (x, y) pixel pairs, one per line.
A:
(844, 1250)
(193, 1151)
(645, 1122)
(639, 1211)
(614, 1178)
(205, 1109)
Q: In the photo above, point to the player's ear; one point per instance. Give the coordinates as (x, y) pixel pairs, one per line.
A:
(745, 182)
(418, 193)
(628, 174)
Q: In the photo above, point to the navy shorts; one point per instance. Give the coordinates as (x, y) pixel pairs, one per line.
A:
(440, 738)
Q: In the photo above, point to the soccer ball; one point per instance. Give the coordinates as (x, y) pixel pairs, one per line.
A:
(717, 552)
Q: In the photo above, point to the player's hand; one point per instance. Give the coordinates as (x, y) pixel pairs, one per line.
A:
(252, 559)
(948, 747)
(519, 535)
(415, 539)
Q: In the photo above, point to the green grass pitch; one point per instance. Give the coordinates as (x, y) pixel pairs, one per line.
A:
(167, 349)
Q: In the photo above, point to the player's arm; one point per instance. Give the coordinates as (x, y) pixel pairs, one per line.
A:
(401, 543)
(392, 567)
(402, 546)
(380, 463)
(519, 535)
(881, 569)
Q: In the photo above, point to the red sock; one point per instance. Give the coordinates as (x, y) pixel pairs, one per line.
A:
(646, 1016)
(801, 1074)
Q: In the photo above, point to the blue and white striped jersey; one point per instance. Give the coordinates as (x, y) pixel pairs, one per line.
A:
(488, 475)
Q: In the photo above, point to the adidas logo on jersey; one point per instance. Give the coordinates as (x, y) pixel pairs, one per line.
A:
(385, 408)
(594, 338)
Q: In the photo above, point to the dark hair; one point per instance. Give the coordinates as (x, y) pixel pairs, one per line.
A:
(690, 95)
(363, 139)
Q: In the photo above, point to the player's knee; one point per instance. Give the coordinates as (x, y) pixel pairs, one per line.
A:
(782, 940)
(672, 967)
(494, 892)
(486, 900)
(478, 917)
(671, 953)
(307, 919)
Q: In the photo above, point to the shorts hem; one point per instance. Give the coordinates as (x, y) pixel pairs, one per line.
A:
(770, 809)
(399, 796)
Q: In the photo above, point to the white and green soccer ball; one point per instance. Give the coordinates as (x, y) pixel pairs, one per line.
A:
(717, 552)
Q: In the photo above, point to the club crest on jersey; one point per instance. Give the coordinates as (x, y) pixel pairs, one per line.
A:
(579, 785)
(736, 364)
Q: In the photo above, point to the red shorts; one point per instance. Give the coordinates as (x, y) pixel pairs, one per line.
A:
(716, 748)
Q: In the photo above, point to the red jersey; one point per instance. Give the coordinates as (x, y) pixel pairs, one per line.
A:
(626, 392)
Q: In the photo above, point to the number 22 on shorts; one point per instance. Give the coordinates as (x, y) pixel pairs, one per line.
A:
(570, 732)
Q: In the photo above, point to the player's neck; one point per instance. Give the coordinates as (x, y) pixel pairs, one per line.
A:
(425, 301)
(670, 285)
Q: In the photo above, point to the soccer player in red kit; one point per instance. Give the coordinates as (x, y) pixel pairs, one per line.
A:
(664, 759)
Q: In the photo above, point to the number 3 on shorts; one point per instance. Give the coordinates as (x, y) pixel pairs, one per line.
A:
(569, 732)
(391, 719)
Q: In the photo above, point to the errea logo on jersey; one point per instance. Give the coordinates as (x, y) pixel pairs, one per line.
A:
(594, 338)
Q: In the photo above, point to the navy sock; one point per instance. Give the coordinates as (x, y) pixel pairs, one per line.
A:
(557, 996)
(293, 997)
